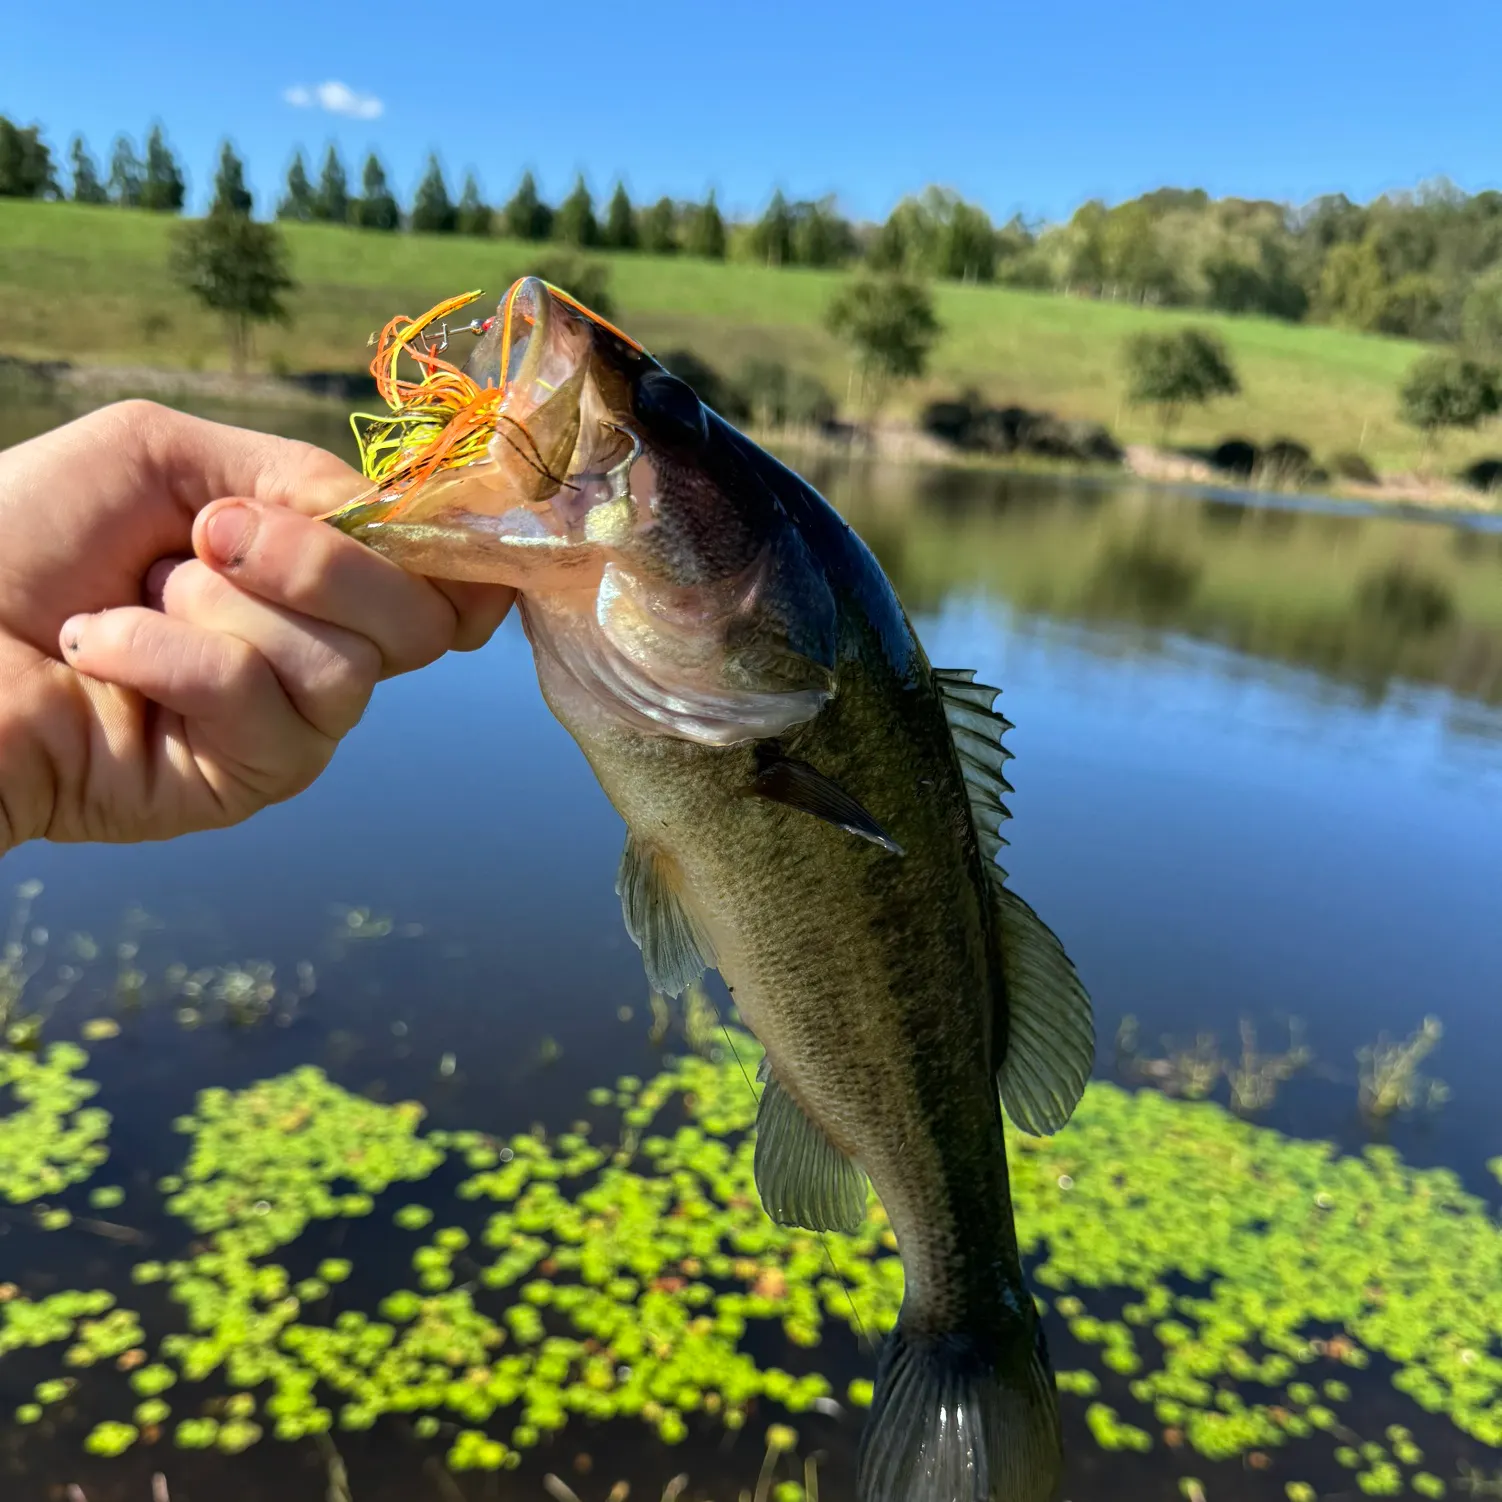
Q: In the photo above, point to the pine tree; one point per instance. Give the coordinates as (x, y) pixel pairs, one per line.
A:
(659, 228)
(376, 206)
(298, 202)
(706, 231)
(574, 223)
(163, 187)
(620, 221)
(86, 185)
(126, 174)
(527, 217)
(473, 215)
(231, 196)
(772, 234)
(432, 211)
(25, 163)
(331, 202)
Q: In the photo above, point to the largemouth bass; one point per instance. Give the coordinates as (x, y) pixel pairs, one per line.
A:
(811, 808)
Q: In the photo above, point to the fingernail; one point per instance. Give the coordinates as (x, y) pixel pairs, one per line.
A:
(154, 586)
(72, 630)
(228, 534)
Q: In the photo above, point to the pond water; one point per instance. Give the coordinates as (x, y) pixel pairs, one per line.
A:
(1259, 782)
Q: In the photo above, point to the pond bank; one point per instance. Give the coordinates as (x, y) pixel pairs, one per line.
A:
(891, 442)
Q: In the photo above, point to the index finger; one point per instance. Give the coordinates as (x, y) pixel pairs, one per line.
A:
(197, 461)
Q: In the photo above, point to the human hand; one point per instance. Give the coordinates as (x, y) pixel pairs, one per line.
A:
(146, 693)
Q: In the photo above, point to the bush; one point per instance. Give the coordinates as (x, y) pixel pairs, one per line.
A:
(717, 393)
(1351, 466)
(1236, 456)
(1449, 391)
(777, 396)
(1285, 462)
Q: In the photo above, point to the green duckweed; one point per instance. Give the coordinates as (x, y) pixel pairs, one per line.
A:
(596, 1284)
(48, 1138)
(111, 1438)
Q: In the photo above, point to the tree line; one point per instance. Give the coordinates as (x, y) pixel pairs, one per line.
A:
(1425, 264)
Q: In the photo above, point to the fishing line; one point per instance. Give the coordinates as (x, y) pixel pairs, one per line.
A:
(823, 1236)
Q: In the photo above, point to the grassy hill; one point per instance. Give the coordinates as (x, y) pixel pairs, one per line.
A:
(92, 285)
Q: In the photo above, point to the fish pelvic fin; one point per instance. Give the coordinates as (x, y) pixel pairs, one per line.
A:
(1049, 1026)
(674, 949)
(962, 1418)
(802, 1177)
(1045, 1027)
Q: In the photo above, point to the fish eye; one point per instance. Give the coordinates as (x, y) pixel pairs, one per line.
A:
(671, 405)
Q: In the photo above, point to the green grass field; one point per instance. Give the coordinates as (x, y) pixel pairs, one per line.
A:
(92, 285)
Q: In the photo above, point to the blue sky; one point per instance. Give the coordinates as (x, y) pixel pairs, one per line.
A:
(1019, 106)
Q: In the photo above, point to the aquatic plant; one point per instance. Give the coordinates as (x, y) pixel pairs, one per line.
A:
(1193, 1071)
(1389, 1078)
(570, 1280)
(48, 1138)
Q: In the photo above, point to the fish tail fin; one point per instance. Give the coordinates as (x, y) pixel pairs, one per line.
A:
(962, 1418)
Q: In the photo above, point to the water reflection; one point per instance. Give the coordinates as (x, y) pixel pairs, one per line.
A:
(1259, 774)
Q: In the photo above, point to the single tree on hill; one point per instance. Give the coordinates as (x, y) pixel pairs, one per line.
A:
(620, 221)
(1185, 367)
(231, 196)
(236, 267)
(574, 223)
(432, 210)
(1449, 391)
(527, 217)
(889, 322)
(331, 202)
(704, 234)
(659, 228)
(298, 202)
(86, 185)
(163, 188)
(376, 208)
(25, 163)
(473, 215)
(126, 174)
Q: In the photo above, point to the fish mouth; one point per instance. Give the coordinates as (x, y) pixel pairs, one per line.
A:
(516, 461)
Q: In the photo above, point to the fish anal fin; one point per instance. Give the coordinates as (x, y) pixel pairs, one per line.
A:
(1048, 1026)
(798, 785)
(802, 1177)
(674, 949)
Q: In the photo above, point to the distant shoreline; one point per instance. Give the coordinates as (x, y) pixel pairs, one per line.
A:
(889, 442)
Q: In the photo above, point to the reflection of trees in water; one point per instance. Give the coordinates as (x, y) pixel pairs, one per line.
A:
(1402, 599)
(1367, 601)
(1144, 580)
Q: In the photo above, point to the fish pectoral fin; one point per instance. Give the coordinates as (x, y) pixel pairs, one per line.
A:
(1049, 1026)
(802, 1177)
(674, 949)
(800, 786)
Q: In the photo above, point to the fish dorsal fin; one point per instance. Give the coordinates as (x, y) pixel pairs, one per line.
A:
(673, 948)
(1048, 1028)
(977, 730)
(802, 1177)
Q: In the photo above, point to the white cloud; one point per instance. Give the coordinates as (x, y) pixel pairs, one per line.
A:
(336, 98)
